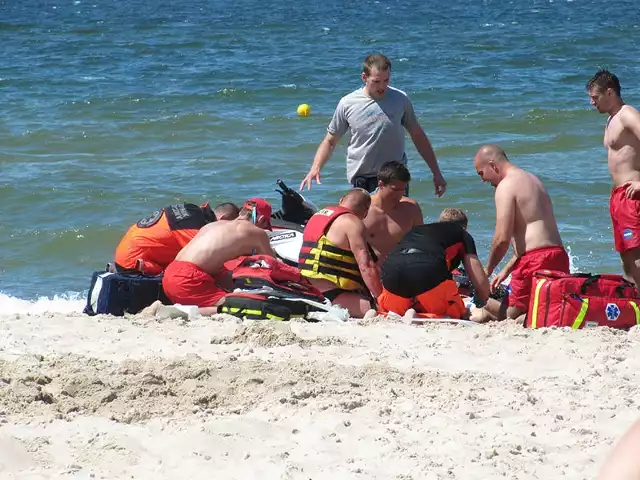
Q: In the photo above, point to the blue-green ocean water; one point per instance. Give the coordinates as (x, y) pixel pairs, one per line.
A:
(111, 110)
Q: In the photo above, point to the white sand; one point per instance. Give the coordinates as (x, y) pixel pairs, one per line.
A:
(119, 398)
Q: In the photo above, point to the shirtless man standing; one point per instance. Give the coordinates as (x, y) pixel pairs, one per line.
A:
(524, 217)
(622, 141)
(391, 214)
(198, 276)
(335, 256)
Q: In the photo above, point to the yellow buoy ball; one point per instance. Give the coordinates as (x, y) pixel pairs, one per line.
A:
(304, 110)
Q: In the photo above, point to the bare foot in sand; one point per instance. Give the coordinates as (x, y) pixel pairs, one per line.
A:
(480, 315)
(370, 315)
(409, 316)
(152, 309)
(158, 310)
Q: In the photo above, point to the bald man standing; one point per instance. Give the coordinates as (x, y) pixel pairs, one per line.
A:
(525, 218)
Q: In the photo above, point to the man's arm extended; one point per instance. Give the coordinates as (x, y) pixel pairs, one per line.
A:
(479, 280)
(325, 149)
(425, 149)
(264, 246)
(336, 129)
(505, 218)
(356, 234)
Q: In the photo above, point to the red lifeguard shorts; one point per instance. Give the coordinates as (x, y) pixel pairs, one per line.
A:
(625, 219)
(441, 301)
(543, 258)
(188, 284)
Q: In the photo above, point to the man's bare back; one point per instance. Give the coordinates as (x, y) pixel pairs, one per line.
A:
(385, 228)
(623, 146)
(219, 242)
(534, 221)
(337, 233)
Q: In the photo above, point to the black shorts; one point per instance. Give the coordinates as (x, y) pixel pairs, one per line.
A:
(410, 274)
(334, 293)
(126, 271)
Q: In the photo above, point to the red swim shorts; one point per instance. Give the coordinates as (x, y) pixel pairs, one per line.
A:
(188, 284)
(625, 219)
(441, 301)
(543, 258)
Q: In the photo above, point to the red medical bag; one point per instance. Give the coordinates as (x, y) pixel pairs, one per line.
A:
(582, 300)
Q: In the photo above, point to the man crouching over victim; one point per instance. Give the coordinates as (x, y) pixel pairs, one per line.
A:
(335, 255)
(198, 276)
(417, 273)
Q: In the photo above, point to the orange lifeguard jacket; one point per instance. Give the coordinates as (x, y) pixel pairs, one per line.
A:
(157, 238)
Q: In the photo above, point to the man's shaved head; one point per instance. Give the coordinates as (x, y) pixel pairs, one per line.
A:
(491, 153)
(357, 200)
(226, 211)
(491, 162)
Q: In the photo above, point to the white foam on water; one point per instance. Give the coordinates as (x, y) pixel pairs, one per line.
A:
(573, 260)
(69, 303)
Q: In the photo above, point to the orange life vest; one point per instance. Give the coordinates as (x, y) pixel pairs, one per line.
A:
(158, 238)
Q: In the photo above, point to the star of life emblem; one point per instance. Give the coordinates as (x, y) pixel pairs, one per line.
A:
(612, 311)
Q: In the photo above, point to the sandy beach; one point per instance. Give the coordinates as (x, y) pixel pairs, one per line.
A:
(117, 398)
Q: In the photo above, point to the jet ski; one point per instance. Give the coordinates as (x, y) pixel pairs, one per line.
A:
(295, 210)
(288, 223)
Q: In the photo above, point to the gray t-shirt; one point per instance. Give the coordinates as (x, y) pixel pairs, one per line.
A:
(376, 127)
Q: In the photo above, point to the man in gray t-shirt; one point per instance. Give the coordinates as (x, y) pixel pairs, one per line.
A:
(376, 116)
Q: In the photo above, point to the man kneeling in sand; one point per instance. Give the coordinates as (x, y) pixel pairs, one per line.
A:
(335, 256)
(417, 273)
(391, 214)
(198, 275)
(524, 216)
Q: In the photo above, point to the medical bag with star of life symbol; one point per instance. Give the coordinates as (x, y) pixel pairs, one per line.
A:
(582, 300)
